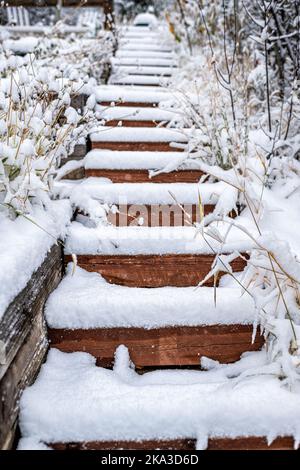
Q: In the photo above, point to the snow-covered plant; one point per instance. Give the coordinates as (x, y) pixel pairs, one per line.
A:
(38, 126)
(232, 88)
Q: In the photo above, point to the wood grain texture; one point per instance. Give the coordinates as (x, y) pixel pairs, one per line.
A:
(162, 215)
(27, 307)
(152, 270)
(20, 374)
(242, 443)
(169, 346)
(134, 104)
(136, 146)
(142, 176)
(23, 336)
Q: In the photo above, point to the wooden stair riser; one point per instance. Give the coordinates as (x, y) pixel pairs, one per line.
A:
(142, 176)
(240, 443)
(133, 83)
(153, 270)
(158, 215)
(162, 347)
(136, 146)
(130, 104)
(135, 123)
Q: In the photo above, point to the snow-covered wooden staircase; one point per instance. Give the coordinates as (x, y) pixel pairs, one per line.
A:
(134, 297)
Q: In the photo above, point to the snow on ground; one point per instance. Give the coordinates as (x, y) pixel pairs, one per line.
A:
(175, 404)
(24, 244)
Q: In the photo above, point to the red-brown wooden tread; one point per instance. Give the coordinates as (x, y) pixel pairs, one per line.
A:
(142, 176)
(133, 123)
(168, 346)
(180, 270)
(241, 443)
(136, 146)
(131, 104)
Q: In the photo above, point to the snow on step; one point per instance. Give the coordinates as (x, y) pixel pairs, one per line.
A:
(142, 70)
(118, 160)
(85, 300)
(141, 46)
(145, 41)
(115, 94)
(132, 113)
(127, 134)
(144, 61)
(152, 193)
(137, 80)
(72, 400)
(149, 54)
(109, 240)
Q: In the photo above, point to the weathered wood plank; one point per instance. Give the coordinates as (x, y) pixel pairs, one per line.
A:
(21, 373)
(142, 176)
(136, 146)
(242, 443)
(23, 336)
(169, 346)
(77, 174)
(152, 270)
(133, 123)
(23, 312)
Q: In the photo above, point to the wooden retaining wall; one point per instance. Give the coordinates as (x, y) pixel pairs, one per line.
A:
(23, 342)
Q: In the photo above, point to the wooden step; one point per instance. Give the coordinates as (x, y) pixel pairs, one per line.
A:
(142, 176)
(180, 270)
(82, 406)
(135, 146)
(136, 123)
(141, 80)
(144, 70)
(144, 62)
(171, 346)
(135, 139)
(129, 167)
(242, 443)
(131, 96)
(160, 327)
